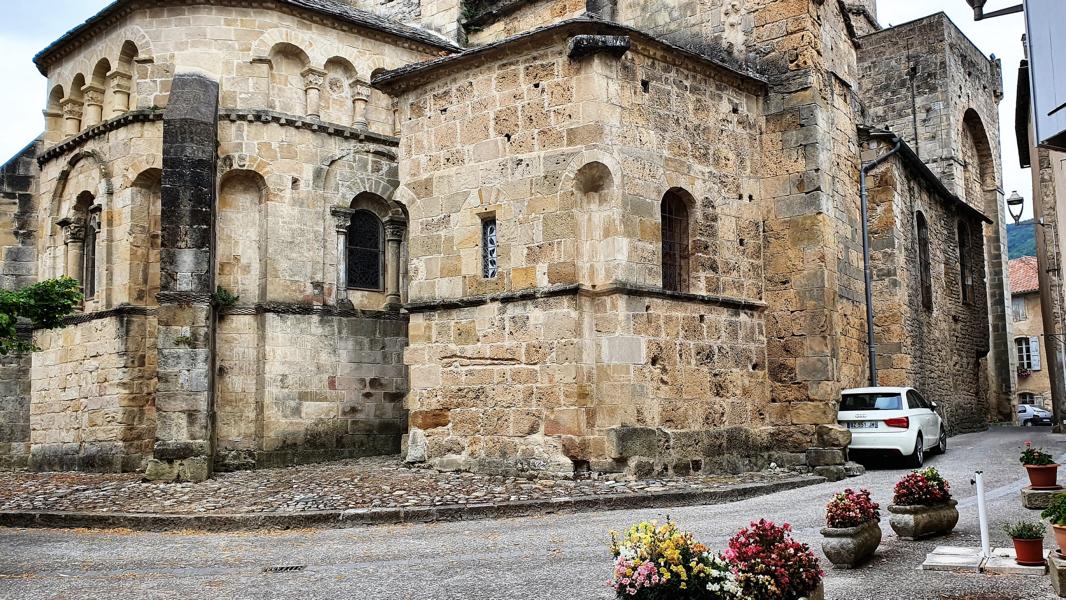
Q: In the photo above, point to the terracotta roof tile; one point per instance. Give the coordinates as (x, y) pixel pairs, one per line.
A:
(1024, 275)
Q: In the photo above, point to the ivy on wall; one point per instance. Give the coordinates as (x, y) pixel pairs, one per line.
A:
(43, 304)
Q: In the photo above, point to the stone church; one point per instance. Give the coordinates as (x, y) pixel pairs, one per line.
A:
(505, 236)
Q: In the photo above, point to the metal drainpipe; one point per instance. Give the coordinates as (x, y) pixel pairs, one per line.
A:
(867, 271)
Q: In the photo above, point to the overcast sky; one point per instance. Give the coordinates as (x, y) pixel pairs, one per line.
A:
(29, 26)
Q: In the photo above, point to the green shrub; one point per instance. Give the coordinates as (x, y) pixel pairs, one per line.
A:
(1025, 530)
(43, 304)
(1056, 512)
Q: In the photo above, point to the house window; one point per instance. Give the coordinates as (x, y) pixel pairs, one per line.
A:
(674, 216)
(965, 264)
(366, 251)
(1018, 312)
(924, 273)
(88, 265)
(1026, 398)
(1028, 349)
(490, 248)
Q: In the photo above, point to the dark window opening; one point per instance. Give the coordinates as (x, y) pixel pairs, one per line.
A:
(924, 273)
(965, 263)
(674, 213)
(366, 251)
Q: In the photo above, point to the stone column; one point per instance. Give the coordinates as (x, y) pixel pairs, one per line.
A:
(360, 98)
(72, 111)
(94, 105)
(341, 218)
(183, 449)
(74, 238)
(120, 84)
(53, 125)
(394, 229)
(395, 117)
(313, 80)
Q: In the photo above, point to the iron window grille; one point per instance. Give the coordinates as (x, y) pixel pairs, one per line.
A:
(489, 248)
(366, 251)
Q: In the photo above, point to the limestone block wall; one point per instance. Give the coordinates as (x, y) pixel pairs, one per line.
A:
(1038, 382)
(942, 351)
(486, 22)
(93, 387)
(14, 411)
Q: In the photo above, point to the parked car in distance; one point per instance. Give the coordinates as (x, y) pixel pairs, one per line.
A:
(1029, 415)
(897, 420)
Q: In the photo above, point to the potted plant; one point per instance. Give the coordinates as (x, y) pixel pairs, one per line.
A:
(851, 533)
(659, 562)
(1043, 472)
(1028, 539)
(1056, 513)
(922, 506)
(770, 565)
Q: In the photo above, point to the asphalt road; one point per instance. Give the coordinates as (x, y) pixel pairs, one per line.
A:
(561, 556)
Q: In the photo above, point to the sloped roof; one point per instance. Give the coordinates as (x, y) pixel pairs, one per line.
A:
(1024, 275)
(336, 9)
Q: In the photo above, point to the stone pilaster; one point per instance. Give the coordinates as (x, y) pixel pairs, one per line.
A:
(183, 447)
(314, 79)
(360, 98)
(74, 240)
(341, 218)
(394, 230)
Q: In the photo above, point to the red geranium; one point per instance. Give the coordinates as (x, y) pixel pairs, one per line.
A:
(851, 509)
(770, 564)
(924, 488)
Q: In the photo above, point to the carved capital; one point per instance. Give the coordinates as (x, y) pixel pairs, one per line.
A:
(342, 217)
(395, 228)
(94, 94)
(360, 91)
(120, 81)
(73, 229)
(72, 109)
(313, 78)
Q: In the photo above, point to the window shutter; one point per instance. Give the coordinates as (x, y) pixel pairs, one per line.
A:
(1034, 351)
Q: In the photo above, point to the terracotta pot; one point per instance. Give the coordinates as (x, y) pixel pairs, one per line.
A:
(817, 594)
(848, 547)
(1060, 537)
(1043, 477)
(913, 522)
(1029, 552)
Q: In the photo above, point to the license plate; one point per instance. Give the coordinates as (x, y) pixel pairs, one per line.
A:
(862, 424)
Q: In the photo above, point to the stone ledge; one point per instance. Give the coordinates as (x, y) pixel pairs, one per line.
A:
(391, 516)
(1038, 499)
(310, 123)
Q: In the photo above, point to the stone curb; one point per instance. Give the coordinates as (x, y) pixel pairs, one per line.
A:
(392, 516)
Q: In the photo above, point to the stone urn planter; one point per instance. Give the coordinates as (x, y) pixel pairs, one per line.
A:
(817, 594)
(913, 522)
(1043, 477)
(849, 547)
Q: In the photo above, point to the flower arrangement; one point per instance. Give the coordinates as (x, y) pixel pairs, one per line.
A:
(851, 509)
(1035, 456)
(658, 562)
(924, 487)
(1025, 530)
(770, 565)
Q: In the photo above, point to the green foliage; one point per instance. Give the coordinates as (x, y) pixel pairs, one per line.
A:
(1056, 512)
(1034, 456)
(1021, 239)
(224, 298)
(44, 304)
(1025, 530)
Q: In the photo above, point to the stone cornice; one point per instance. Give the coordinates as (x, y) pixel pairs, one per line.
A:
(581, 290)
(304, 122)
(296, 308)
(77, 141)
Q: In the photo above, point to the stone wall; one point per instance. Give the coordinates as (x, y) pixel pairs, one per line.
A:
(93, 387)
(1038, 382)
(486, 22)
(942, 351)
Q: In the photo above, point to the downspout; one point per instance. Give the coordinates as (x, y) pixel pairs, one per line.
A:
(867, 271)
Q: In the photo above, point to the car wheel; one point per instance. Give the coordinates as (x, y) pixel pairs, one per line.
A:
(942, 443)
(1028, 423)
(917, 458)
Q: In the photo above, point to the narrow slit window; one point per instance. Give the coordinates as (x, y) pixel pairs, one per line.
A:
(674, 217)
(489, 248)
(88, 269)
(924, 272)
(965, 264)
(366, 251)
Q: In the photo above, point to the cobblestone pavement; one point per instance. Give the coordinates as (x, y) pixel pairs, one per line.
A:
(378, 482)
(562, 556)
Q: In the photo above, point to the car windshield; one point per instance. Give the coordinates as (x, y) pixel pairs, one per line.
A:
(871, 402)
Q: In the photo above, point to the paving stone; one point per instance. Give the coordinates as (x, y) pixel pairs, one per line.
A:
(951, 558)
(1003, 562)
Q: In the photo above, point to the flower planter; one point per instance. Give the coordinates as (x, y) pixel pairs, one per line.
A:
(912, 522)
(1060, 538)
(817, 594)
(848, 547)
(1043, 477)
(1029, 552)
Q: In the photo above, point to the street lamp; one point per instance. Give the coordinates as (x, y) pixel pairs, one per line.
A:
(978, 7)
(1015, 201)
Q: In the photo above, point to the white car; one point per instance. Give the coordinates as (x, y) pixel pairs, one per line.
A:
(894, 419)
(1029, 415)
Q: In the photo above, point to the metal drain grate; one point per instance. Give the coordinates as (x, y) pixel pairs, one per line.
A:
(288, 569)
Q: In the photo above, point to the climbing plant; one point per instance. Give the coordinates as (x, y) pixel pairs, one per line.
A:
(43, 304)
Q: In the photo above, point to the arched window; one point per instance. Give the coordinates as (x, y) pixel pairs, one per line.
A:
(924, 274)
(366, 251)
(965, 263)
(674, 215)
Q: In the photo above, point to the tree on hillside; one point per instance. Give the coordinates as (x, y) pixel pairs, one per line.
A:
(43, 304)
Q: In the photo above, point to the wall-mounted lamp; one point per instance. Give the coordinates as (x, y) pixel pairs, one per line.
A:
(979, 13)
(1015, 203)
